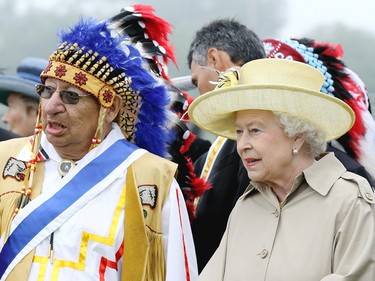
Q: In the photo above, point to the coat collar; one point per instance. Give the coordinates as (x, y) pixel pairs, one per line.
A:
(328, 167)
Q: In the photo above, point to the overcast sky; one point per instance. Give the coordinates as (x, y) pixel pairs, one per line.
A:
(304, 15)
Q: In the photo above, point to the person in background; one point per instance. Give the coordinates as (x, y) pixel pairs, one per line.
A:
(217, 46)
(19, 94)
(89, 196)
(303, 215)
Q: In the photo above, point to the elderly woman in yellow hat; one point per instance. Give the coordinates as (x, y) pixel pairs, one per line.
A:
(303, 216)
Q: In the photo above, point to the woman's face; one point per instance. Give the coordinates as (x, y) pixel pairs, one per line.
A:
(265, 150)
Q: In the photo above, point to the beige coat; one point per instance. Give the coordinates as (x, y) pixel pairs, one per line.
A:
(324, 230)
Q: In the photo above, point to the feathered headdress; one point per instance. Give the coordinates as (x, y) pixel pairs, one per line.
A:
(107, 58)
(149, 34)
(191, 186)
(341, 82)
(114, 57)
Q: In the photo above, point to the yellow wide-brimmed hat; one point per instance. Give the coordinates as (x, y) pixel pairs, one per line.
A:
(276, 85)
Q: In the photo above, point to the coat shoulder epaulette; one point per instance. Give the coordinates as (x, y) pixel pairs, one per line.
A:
(365, 190)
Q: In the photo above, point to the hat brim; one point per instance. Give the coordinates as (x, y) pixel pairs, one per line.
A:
(215, 111)
(9, 84)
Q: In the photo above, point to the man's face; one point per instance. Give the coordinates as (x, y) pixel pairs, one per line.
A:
(201, 76)
(69, 127)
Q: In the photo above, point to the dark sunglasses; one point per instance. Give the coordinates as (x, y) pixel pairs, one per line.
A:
(68, 97)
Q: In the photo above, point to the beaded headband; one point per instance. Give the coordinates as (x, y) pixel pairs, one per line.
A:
(83, 70)
(293, 50)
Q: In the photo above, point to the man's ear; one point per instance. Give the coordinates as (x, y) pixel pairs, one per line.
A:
(218, 59)
(113, 110)
(212, 57)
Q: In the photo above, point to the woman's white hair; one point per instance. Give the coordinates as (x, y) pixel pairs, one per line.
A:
(294, 126)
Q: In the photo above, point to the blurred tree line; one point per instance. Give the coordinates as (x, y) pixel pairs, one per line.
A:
(28, 28)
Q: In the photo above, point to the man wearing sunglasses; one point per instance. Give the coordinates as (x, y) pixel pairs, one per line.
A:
(90, 196)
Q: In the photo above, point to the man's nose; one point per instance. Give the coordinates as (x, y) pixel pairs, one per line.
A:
(54, 104)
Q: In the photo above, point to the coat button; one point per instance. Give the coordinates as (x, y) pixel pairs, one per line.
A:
(277, 213)
(369, 196)
(263, 254)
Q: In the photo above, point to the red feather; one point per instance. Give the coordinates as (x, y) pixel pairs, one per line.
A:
(197, 187)
(334, 50)
(157, 29)
(187, 143)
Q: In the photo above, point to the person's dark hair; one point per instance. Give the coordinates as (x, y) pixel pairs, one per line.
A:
(240, 43)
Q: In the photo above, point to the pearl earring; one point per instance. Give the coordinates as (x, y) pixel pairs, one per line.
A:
(295, 151)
